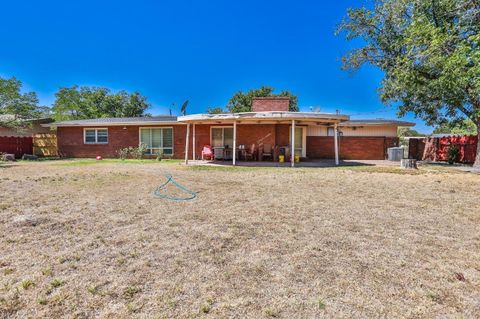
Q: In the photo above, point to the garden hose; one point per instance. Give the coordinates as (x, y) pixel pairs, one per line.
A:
(157, 192)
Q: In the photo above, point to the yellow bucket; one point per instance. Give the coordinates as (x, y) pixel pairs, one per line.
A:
(297, 158)
(281, 158)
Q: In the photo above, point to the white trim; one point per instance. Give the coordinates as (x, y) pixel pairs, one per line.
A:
(335, 141)
(304, 138)
(186, 143)
(223, 133)
(96, 135)
(292, 144)
(234, 142)
(162, 127)
(193, 143)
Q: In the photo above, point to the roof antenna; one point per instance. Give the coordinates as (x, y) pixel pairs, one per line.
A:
(183, 110)
(170, 109)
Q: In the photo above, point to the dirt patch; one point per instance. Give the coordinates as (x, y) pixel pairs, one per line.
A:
(287, 243)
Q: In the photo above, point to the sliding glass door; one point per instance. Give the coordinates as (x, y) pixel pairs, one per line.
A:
(222, 137)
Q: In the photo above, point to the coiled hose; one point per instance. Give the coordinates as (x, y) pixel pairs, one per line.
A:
(158, 191)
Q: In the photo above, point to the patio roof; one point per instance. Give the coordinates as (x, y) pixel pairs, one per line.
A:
(271, 117)
(264, 117)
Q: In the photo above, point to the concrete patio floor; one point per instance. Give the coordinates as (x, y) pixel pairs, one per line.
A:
(310, 163)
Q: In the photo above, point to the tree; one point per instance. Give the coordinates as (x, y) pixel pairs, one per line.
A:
(242, 102)
(408, 132)
(405, 132)
(429, 51)
(464, 127)
(16, 106)
(215, 110)
(93, 102)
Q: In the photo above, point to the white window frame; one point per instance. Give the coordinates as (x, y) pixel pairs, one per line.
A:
(154, 127)
(96, 129)
(223, 134)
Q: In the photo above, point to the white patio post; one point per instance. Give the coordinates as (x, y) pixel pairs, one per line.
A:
(186, 143)
(234, 142)
(292, 147)
(193, 143)
(335, 141)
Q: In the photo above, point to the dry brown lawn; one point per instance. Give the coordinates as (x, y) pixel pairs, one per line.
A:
(84, 240)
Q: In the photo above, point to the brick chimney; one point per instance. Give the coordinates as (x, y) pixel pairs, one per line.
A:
(270, 103)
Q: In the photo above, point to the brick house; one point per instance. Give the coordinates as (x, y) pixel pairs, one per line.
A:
(270, 125)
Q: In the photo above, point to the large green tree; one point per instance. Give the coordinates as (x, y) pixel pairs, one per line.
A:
(93, 102)
(16, 106)
(429, 51)
(465, 127)
(242, 101)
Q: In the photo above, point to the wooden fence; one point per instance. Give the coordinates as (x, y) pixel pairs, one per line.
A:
(16, 145)
(45, 145)
(436, 148)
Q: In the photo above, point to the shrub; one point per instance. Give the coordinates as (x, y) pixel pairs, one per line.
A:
(159, 156)
(138, 152)
(134, 152)
(452, 154)
(123, 153)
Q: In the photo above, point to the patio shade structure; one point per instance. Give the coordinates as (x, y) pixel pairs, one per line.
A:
(273, 117)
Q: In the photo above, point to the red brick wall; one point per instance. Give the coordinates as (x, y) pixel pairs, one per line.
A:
(350, 147)
(266, 104)
(282, 132)
(70, 141)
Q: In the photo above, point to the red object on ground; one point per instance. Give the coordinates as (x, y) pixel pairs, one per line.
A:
(99, 158)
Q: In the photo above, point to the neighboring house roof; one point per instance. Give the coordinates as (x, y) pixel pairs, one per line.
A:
(12, 117)
(376, 122)
(113, 121)
(272, 115)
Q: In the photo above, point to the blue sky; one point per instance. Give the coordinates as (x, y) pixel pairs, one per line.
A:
(203, 51)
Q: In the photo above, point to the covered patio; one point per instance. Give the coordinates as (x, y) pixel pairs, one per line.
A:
(273, 134)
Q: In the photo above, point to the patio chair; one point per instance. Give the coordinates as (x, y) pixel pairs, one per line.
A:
(250, 153)
(207, 151)
(267, 151)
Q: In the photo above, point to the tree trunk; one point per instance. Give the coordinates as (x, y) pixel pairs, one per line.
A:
(476, 165)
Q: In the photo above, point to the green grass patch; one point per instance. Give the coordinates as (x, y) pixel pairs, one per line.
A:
(88, 161)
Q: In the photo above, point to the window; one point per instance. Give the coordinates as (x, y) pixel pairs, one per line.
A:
(222, 136)
(330, 131)
(95, 136)
(157, 140)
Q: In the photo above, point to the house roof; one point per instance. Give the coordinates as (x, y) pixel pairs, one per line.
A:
(113, 121)
(265, 116)
(274, 116)
(12, 117)
(376, 122)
